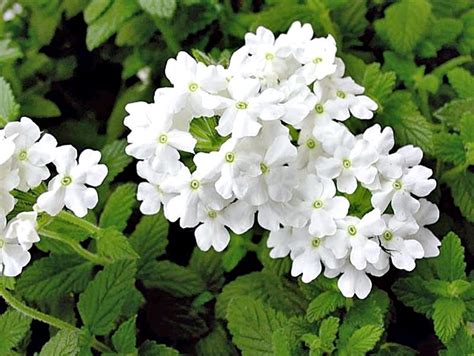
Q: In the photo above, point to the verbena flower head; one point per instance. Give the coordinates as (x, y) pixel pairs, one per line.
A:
(285, 160)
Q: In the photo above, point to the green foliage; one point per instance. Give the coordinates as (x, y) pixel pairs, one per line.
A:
(118, 207)
(9, 109)
(65, 342)
(13, 328)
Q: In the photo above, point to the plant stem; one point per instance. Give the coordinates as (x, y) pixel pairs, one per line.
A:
(47, 319)
(452, 63)
(81, 251)
(83, 224)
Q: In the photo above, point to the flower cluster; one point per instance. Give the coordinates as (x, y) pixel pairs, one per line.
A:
(25, 153)
(296, 182)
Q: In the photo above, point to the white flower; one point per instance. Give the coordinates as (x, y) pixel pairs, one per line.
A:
(398, 191)
(9, 180)
(356, 237)
(150, 193)
(352, 281)
(239, 216)
(427, 214)
(32, 152)
(318, 59)
(23, 229)
(297, 100)
(246, 106)
(295, 40)
(398, 245)
(194, 86)
(159, 143)
(351, 161)
(13, 257)
(320, 205)
(279, 242)
(310, 252)
(309, 150)
(69, 188)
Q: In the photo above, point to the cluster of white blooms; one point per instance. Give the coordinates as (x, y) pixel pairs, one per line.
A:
(25, 153)
(292, 184)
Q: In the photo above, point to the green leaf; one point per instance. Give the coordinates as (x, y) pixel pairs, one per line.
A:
(112, 244)
(447, 317)
(215, 344)
(405, 68)
(462, 343)
(462, 190)
(174, 279)
(37, 106)
(125, 339)
(65, 342)
(151, 348)
(95, 9)
(462, 81)
(149, 240)
(13, 328)
(113, 155)
(119, 207)
(281, 342)
(363, 340)
(252, 324)
(450, 263)
(136, 31)
(101, 28)
(466, 41)
(328, 332)
(378, 84)
(204, 131)
(449, 148)
(208, 264)
(452, 112)
(409, 125)
(443, 31)
(9, 109)
(160, 8)
(102, 301)
(7, 53)
(467, 128)
(405, 24)
(324, 304)
(412, 292)
(54, 276)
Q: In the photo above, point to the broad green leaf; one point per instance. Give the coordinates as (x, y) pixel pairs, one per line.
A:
(203, 130)
(449, 148)
(119, 207)
(125, 339)
(37, 106)
(103, 26)
(443, 31)
(452, 112)
(217, 343)
(136, 31)
(324, 304)
(112, 244)
(462, 343)
(462, 81)
(405, 68)
(160, 8)
(102, 301)
(151, 348)
(447, 317)
(54, 276)
(209, 266)
(405, 24)
(466, 41)
(9, 109)
(8, 53)
(462, 190)
(378, 84)
(363, 340)
(13, 328)
(450, 263)
(95, 9)
(351, 19)
(281, 342)
(467, 128)
(412, 292)
(252, 324)
(174, 279)
(64, 343)
(149, 240)
(113, 155)
(328, 332)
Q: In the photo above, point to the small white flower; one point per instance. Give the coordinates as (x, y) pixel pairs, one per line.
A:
(23, 229)
(69, 187)
(398, 191)
(295, 40)
(13, 257)
(9, 180)
(32, 152)
(428, 214)
(279, 242)
(352, 281)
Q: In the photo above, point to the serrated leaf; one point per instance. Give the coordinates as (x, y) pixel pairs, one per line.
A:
(203, 130)
(54, 276)
(443, 31)
(450, 263)
(37, 106)
(412, 292)
(452, 112)
(13, 328)
(363, 340)
(113, 155)
(95, 9)
(466, 40)
(119, 207)
(125, 339)
(462, 190)
(64, 343)
(102, 301)
(105, 25)
(113, 245)
(151, 348)
(281, 343)
(136, 31)
(405, 68)
(404, 24)
(149, 240)
(462, 81)
(252, 324)
(174, 279)
(324, 304)
(160, 8)
(449, 148)
(467, 128)
(208, 264)
(447, 317)
(378, 84)
(328, 332)
(9, 109)
(217, 343)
